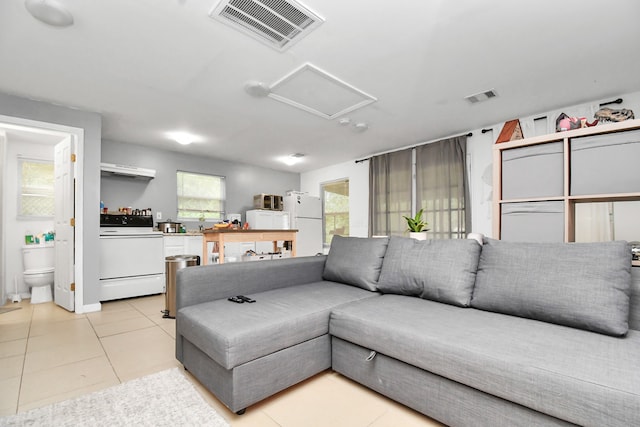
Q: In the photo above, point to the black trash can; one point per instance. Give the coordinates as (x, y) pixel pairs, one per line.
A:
(172, 264)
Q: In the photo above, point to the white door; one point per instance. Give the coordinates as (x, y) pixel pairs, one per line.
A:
(64, 293)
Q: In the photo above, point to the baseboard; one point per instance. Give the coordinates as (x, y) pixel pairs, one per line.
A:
(89, 308)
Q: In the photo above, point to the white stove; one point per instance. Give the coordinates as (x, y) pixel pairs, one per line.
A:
(131, 257)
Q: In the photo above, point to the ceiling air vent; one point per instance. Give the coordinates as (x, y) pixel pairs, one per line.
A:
(481, 96)
(277, 23)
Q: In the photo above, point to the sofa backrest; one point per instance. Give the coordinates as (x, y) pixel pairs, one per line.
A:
(581, 285)
(355, 261)
(361, 262)
(442, 270)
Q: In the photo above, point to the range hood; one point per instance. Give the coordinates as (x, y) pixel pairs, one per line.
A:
(110, 169)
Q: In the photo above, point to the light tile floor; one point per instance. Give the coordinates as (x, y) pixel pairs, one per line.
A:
(48, 355)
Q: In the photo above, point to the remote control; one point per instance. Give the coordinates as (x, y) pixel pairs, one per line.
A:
(236, 300)
(245, 299)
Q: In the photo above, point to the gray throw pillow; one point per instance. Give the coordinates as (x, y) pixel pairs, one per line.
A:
(438, 270)
(582, 285)
(355, 261)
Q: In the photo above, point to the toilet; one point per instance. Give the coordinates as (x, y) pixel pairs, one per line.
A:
(39, 264)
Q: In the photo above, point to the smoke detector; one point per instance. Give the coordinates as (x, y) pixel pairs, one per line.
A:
(277, 23)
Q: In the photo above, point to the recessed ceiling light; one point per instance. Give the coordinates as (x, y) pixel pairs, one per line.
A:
(50, 12)
(183, 138)
(292, 159)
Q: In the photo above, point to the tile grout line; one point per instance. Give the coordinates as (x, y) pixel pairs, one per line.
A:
(113, 369)
(24, 359)
(154, 323)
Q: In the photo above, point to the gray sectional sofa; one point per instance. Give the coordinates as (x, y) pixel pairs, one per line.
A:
(500, 334)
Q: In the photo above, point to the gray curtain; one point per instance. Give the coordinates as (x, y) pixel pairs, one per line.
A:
(390, 193)
(442, 189)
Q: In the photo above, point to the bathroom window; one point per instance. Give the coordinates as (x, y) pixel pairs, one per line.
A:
(36, 189)
(200, 196)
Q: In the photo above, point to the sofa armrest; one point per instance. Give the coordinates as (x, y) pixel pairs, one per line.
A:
(195, 285)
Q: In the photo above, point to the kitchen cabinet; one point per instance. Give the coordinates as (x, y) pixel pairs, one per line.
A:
(182, 244)
(193, 245)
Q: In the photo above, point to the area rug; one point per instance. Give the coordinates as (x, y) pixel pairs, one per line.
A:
(163, 399)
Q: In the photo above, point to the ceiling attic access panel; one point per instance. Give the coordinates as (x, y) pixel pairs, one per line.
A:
(314, 90)
(277, 23)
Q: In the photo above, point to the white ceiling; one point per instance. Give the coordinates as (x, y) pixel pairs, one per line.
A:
(152, 66)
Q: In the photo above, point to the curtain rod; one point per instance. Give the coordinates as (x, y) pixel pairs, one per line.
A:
(470, 134)
(617, 101)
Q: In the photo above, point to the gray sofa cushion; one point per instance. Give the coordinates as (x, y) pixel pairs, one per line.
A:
(355, 261)
(233, 334)
(583, 285)
(439, 270)
(576, 375)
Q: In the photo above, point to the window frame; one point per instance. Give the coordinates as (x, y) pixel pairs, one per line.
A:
(216, 215)
(324, 218)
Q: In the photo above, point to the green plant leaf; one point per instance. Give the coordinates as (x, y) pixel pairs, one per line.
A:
(416, 224)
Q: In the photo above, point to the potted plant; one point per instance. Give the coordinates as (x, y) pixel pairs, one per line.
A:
(417, 226)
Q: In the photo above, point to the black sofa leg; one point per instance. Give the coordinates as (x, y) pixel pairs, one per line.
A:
(241, 411)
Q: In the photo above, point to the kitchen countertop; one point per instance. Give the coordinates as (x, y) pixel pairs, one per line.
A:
(188, 233)
(250, 230)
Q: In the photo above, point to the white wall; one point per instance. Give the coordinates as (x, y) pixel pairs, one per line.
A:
(242, 181)
(479, 162)
(358, 175)
(89, 229)
(15, 228)
(3, 150)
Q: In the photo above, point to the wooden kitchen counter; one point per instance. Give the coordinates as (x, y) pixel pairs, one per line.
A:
(225, 235)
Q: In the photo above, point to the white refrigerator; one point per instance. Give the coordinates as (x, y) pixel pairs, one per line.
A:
(305, 216)
(260, 219)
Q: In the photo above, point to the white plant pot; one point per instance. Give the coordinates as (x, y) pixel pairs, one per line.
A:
(421, 235)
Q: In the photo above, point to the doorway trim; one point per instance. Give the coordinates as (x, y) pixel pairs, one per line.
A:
(78, 135)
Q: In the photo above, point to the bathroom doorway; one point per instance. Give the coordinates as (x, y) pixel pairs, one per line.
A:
(19, 139)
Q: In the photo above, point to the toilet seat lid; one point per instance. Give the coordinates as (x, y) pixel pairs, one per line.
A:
(39, 271)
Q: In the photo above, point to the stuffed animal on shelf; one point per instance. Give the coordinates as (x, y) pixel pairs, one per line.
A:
(609, 115)
(564, 122)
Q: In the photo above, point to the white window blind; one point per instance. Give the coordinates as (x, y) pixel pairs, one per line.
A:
(200, 196)
(35, 188)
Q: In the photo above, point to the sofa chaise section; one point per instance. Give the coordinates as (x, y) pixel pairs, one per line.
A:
(246, 352)
(578, 376)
